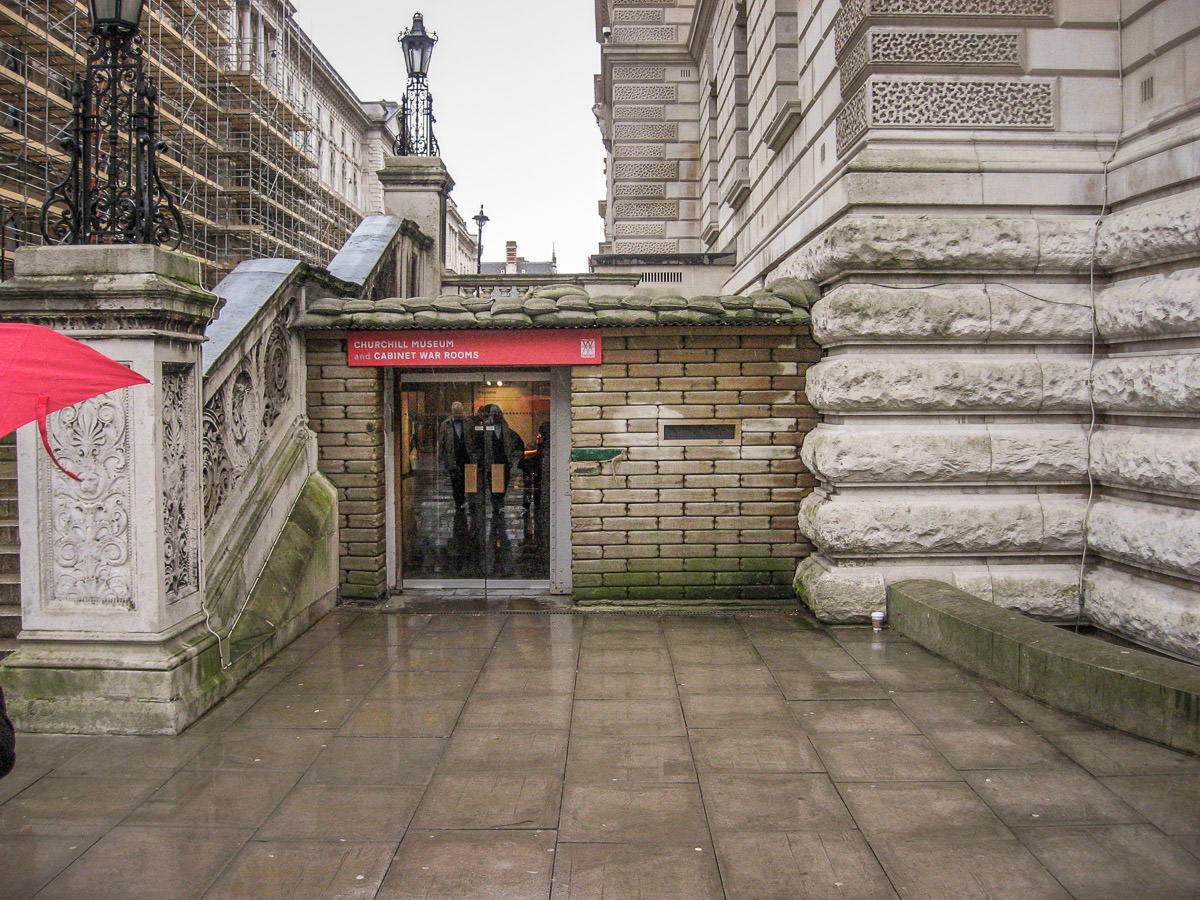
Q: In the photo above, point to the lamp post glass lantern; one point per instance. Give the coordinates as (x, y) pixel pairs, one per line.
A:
(480, 220)
(416, 116)
(112, 192)
(417, 44)
(123, 15)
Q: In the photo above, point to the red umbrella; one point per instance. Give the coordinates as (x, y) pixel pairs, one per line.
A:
(42, 371)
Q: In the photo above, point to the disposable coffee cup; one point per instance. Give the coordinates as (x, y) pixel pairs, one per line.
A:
(877, 619)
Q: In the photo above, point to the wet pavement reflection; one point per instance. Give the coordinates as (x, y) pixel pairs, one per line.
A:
(506, 755)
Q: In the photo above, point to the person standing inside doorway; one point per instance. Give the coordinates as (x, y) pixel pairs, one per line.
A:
(498, 450)
(452, 450)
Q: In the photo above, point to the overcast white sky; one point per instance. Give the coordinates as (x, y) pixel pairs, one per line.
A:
(512, 88)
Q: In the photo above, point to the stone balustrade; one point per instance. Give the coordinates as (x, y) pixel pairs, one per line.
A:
(519, 285)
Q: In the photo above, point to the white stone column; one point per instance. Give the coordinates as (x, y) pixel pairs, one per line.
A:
(112, 566)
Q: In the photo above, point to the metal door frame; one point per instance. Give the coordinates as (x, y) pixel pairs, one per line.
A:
(559, 378)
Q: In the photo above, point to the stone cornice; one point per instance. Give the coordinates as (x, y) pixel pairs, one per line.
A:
(698, 32)
(96, 289)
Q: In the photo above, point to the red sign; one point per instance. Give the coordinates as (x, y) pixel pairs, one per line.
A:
(474, 348)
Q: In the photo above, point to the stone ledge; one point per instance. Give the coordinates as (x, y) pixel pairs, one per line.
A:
(1146, 695)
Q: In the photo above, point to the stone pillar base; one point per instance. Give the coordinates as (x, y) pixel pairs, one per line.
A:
(850, 593)
(122, 687)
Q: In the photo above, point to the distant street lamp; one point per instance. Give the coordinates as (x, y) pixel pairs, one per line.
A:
(480, 221)
(112, 193)
(416, 120)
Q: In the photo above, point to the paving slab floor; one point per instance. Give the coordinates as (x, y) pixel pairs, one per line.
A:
(556, 756)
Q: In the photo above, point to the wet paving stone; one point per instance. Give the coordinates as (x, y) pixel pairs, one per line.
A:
(943, 709)
(921, 811)
(262, 749)
(639, 813)
(603, 759)
(996, 747)
(376, 760)
(654, 717)
(854, 684)
(733, 750)
(403, 718)
(698, 678)
(150, 862)
(625, 686)
(800, 802)
(290, 710)
(283, 870)
(967, 868)
(894, 757)
(1050, 797)
(489, 802)
(854, 716)
(1171, 802)
(1127, 861)
(56, 804)
(782, 865)
(30, 861)
(631, 872)
(215, 799)
(498, 751)
(471, 865)
(336, 813)
(564, 756)
(751, 712)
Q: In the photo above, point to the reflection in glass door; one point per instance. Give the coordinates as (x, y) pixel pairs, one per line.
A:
(473, 462)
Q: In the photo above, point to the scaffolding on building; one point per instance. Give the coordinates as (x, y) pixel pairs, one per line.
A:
(241, 149)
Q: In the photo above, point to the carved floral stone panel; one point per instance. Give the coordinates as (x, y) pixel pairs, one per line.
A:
(181, 535)
(240, 413)
(86, 541)
(977, 103)
(665, 246)
(851, 120)
(639, 73)
(946, 103)
(961, 49)
(646, 131)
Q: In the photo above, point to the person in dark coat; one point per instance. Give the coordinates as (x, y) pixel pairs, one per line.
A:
(496, 444)
(8, 740)
(453, 439)
(498, 451)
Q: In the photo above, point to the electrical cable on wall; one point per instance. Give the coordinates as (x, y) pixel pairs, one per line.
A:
(1091, 379)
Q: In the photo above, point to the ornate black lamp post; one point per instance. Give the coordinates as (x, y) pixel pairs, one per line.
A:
(112, 193)
(416, 121)
(480, 221)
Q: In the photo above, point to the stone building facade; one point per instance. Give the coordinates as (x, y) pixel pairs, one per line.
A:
(998, 201)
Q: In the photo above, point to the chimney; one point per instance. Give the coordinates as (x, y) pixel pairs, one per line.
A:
(510, 249)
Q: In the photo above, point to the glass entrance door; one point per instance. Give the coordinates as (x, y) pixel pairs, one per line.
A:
(473, 477)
